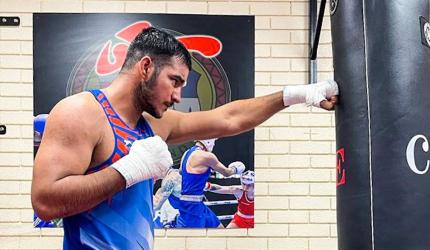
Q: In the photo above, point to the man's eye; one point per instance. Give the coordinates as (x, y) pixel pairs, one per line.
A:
(178, 84)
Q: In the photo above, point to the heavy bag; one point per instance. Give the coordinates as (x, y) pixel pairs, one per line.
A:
(381, 53)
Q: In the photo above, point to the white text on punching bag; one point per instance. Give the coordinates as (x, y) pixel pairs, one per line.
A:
(410, 154)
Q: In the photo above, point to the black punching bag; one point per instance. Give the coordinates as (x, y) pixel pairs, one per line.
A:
(381, 56)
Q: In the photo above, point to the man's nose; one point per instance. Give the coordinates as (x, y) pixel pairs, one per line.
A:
(176, 96)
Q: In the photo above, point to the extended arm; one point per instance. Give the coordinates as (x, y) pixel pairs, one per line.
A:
(230, 119)
(241, 115)
(215, 188)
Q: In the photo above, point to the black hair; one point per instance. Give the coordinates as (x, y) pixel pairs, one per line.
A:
(157, 44)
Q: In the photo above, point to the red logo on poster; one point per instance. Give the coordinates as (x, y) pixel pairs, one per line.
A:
(112, 56)
(340, 180)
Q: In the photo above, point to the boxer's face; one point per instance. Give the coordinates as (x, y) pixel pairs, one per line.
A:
(248, 188)
(163, 88)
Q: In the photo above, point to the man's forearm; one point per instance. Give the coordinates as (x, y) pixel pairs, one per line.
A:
(249, 113)
(218, 189)
(225, 171)
(77, 193)
(160, 197)
(215, 188)
(244, 115)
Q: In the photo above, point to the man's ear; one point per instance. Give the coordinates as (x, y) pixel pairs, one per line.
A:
(146, 66)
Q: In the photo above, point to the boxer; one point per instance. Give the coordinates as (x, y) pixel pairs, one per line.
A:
(196, 165)
(244, 217)
(101, 149)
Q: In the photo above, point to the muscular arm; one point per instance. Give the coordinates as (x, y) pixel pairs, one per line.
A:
(167, 186)
(215, 188)
(209, 159)
(59, 186)
(242, 115)
(230, 119)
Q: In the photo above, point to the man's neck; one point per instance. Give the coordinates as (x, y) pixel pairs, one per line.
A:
(120, 94)
(249, 195)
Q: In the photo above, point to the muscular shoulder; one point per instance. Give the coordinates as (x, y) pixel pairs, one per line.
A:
(204, 158)
(76, 105)
(77, 115)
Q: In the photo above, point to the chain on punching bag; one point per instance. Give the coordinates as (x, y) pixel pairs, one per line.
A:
(381, 53)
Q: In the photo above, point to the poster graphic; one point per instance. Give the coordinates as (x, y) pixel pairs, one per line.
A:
(80, 52)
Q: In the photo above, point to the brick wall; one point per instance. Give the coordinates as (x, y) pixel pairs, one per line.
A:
(294, 153)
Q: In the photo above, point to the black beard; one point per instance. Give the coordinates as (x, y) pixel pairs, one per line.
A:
(143, 97)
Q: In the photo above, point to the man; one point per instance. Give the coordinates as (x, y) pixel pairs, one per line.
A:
(244, 217)
(196, 165)
(99, 155)
(185, 191)
(193, 213)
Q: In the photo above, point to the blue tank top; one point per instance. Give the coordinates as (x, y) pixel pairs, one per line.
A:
(193, 184)
(124, 221)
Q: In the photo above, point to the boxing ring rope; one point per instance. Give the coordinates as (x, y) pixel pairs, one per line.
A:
(216, 203)
(225, 202)
(213, 203)
(225, 217)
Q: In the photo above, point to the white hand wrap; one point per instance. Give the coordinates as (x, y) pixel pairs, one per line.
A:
(311, 94)
(148, 158)
(237, 166)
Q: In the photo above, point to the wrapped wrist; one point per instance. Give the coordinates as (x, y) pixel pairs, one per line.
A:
(294, 95)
